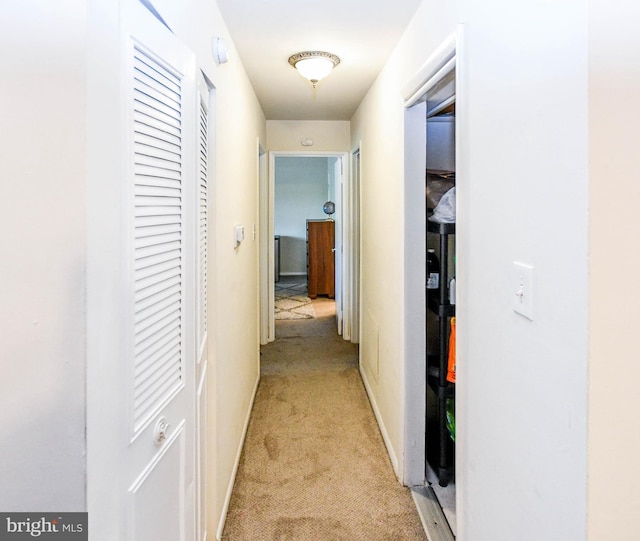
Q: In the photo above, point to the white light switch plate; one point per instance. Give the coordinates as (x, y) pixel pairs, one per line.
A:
(523, 289)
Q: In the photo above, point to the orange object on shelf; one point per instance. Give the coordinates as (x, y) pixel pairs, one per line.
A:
(451, 372)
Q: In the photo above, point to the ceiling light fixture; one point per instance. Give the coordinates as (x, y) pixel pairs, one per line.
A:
(314, 65)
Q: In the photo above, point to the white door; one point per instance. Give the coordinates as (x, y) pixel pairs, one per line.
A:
(352, 252)
(205, 97)
(160, 312)
(339, 215)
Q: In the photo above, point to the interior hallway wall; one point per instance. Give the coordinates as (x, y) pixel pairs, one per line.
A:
(378, 127)
(523, 197)
(614, 370)
(43, 215)
(327, 135)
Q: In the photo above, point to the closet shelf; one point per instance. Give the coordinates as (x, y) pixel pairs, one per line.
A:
(442, 310)
(442, 392)
(440, 228)
(440, 446)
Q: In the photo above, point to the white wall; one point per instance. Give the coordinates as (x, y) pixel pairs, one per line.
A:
(614, 370)
(378, 128)
(327, 135)
(522, 178)
(526, 189)
(42, 337)
(301, 189)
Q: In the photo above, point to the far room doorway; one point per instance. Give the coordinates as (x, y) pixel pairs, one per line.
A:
(303, 189)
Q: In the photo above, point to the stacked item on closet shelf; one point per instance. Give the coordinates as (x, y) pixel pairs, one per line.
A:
(441, 229)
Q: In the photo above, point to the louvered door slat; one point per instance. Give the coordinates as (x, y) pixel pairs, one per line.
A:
(203, 213)
(158, 269)
(158, 182)
(150, 355)
(153, 309)
(157, 278)
(147, 190)
(164, 295)
(158, 239)
(146, 329)
(161, 117)
(150, 139)
(144, 66)
(155, 250)
(158, 236)
(161, 165)
(145, 402)
(153, 151)
(152, 377)
(148, 170)
(161, 370)
(155, 91)
(149, 230)
(152, 316)
(149, 261)
(154, 382)
(149, 124)
(163, 107)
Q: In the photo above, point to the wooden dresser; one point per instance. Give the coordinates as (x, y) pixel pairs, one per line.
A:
(321, 258)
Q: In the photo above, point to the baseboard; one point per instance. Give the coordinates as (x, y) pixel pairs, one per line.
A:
(293, 274)
(232, 481)
(381, 425)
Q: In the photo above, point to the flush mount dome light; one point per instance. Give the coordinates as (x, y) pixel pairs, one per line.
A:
(314, 65)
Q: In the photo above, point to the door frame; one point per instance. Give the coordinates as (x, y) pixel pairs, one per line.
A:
(263, 246)
(351, 302)
(267, 217)
(448, 56)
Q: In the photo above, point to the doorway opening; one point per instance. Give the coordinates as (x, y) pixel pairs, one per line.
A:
(303, 189)
(430, 178)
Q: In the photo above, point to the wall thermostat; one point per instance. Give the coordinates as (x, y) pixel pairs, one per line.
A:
(238, 235)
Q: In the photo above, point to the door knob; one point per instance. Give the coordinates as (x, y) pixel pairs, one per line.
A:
(160, 431)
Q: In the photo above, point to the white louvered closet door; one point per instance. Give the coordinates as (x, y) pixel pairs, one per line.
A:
(201, 303)
(163, 214)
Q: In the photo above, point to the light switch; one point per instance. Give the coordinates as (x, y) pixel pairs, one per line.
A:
(522, 291)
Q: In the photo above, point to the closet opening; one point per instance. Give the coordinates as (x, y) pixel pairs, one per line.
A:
(440, 176)
(430, 288)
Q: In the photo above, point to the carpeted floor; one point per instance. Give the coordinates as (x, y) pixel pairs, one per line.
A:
(314, 466)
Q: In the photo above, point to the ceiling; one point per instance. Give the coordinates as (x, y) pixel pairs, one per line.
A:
(361, 32)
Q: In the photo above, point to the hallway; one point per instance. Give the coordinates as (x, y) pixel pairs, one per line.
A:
(140, 138)
(314, 466)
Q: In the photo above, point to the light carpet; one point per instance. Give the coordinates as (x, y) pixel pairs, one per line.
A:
(314, 466)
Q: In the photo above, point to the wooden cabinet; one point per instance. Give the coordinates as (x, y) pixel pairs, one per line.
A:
(321, 258)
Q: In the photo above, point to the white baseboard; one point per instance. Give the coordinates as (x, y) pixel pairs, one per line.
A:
(227, 499)
(381, 425)
(293, 274)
